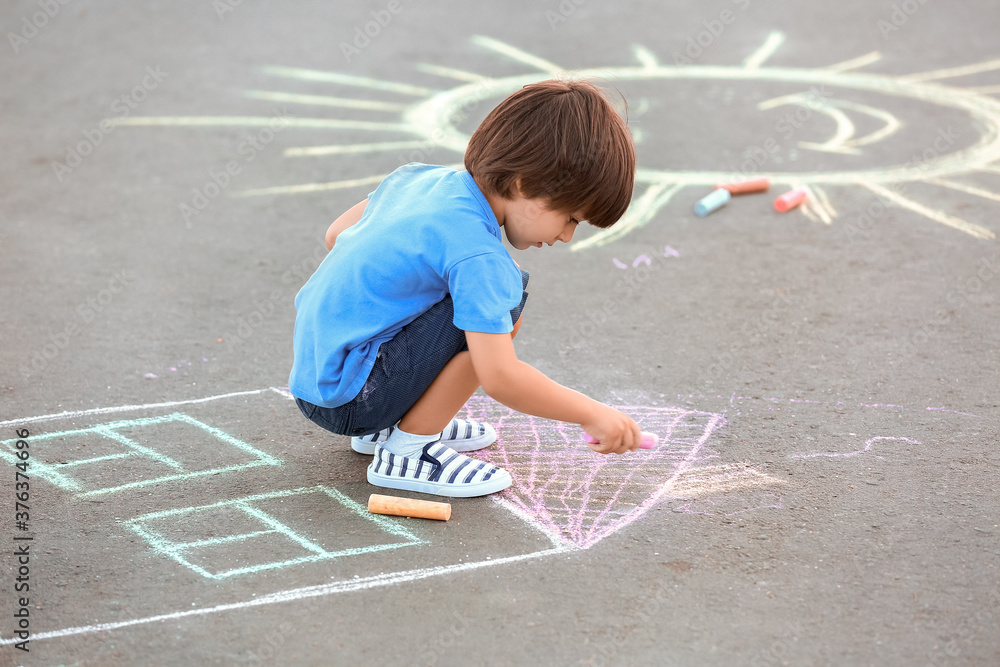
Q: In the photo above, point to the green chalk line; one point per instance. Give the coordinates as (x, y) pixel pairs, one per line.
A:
(269, 520)
(98, 459)
(110, 430)
(177, 550)
(131, 444)
(180, 547)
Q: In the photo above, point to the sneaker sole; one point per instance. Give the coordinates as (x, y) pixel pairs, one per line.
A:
(470, 445)
(498, 482)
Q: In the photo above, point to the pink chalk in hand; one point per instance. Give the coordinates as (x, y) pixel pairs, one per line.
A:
(649, 440)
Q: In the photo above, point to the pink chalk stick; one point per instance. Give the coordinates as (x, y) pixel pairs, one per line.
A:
(649, 440)
(789, 200)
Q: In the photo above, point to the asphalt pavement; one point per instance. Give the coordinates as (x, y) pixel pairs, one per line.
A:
(823, 381)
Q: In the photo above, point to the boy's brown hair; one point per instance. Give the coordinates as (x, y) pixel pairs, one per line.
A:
(565, 142)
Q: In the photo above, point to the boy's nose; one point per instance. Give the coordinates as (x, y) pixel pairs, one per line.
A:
(567, 234)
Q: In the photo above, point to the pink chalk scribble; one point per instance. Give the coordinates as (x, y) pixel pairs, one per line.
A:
(576, 495)
(641, 259)
(644, 259)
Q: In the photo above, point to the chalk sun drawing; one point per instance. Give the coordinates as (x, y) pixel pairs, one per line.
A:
(428, 118)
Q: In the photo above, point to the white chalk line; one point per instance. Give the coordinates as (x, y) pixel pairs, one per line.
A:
(345, 79)
(969, 189)
(310, 187)
(817, 205)
(283, 392)
(645, 57)
(517, 55)
(354, 149)
(452, 73)
(128, 408)
(972, 229)
(300, 594)
(322, 100)
(855, 63)
(765, 51)
(952, 72)
(258, 121)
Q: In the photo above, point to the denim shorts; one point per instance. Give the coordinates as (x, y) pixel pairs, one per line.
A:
(404, 368)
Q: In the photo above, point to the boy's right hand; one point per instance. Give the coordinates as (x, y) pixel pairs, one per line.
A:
(616, 432)
(525, 389)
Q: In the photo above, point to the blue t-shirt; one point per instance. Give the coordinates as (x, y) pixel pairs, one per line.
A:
(426, 232)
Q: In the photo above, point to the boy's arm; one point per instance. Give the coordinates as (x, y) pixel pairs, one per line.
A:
(349, 217)
(524, 388)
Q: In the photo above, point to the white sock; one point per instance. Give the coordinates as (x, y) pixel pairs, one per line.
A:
(406, 444)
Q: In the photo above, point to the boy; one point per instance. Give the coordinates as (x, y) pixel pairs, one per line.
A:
(417, 303)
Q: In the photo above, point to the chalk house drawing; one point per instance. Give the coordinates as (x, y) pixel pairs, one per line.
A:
(425, 121)
(574, 511)
(602, 495)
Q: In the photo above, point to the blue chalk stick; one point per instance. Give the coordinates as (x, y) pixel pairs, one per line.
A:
(710, 202)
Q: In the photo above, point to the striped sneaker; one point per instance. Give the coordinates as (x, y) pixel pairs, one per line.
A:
(440, 471)
(462, 435)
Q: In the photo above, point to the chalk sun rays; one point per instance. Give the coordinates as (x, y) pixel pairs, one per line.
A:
(417, 121)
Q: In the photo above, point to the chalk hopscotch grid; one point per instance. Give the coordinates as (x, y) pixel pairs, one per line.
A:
(57, 475)
(181, 551)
